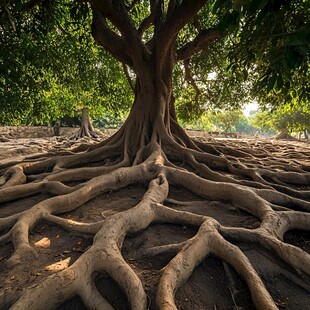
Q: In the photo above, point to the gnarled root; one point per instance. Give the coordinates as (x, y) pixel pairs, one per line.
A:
(238, 178)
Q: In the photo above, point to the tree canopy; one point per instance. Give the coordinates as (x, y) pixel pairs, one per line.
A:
(289, 118)
(47, 73)
(261, 52)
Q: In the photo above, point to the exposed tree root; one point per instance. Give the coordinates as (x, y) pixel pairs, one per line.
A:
(274, 191)
(86, 129)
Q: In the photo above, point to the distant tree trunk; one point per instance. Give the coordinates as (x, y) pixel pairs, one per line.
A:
(284, 135)
(56, 129)
(86, 129)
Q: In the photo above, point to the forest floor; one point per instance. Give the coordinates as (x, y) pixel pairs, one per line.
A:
(213, 284)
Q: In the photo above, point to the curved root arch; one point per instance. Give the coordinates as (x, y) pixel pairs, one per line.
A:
(275, 191)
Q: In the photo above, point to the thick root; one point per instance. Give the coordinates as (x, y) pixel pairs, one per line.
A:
(267, 190)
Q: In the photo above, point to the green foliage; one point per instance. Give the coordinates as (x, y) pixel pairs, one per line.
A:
(291, 118)
(227, 120)
(271, 46)
(263, 56)
(261, 120)
(223, 121)
(244, 126)
(45, 75)
(219, 89)
(49, 65)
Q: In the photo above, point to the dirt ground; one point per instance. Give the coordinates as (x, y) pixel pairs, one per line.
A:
(213, 285)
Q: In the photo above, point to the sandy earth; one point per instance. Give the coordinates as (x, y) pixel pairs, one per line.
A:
(213, 285)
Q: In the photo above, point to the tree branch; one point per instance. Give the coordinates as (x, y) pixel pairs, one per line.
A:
(146, 23)
(9, 15)
(108, 39)
(131, 5)
(202, 41)
(125, 68)
(179, 17)
(197, 24)
(171, 7)
(31, 4)
(189, 78)
(159, 16)
(117, 13)
(149, 20)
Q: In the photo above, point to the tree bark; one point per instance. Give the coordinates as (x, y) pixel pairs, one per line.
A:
(86, 128)
(284, 135)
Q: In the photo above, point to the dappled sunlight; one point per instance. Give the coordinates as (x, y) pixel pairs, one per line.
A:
(61, 265)
(43, 243)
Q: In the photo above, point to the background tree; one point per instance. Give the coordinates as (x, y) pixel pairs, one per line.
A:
(285, 119)
(272, 49)
(228, 120)
(150, 37)
(47, 74)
